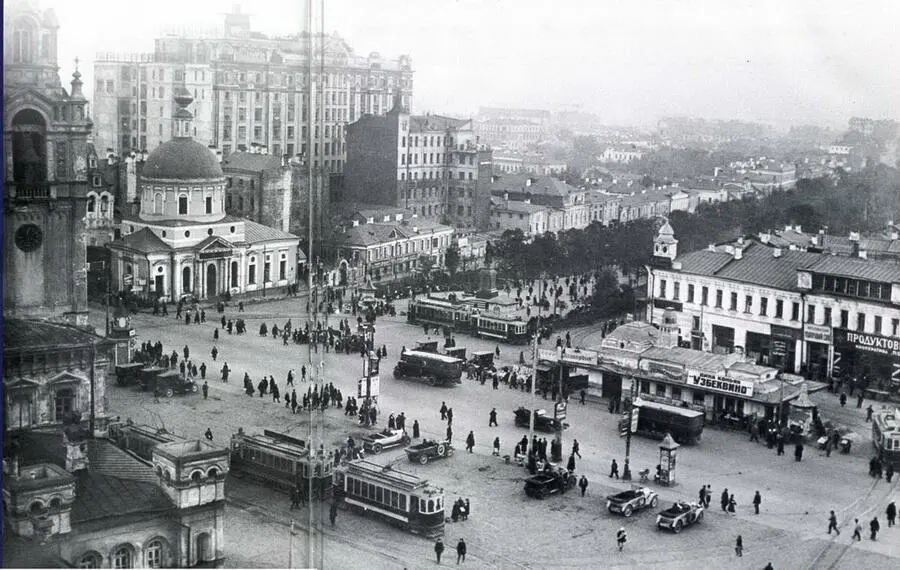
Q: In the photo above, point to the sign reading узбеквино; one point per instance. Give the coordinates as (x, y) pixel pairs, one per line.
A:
(722, 384)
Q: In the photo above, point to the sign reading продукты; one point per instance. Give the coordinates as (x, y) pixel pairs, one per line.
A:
(722, 384)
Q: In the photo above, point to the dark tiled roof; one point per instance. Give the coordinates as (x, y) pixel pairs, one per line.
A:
(182, 159)
(100, 496)
(703, 261)
(106, 458)
(255, 233)
(366, 234)
(434, 123)
(23, 334)
(760, 267)
(546, 185)
(882, 271)
(517, 206)
(143, 240)
(251, 162)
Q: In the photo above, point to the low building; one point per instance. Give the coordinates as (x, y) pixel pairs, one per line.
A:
(621, 155)
(258, 187)
(566, 204)
(532, 219)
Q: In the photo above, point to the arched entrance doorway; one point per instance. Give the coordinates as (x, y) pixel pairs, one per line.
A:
(204, 548)
(186, 280)
(211, 285)
(29, 144)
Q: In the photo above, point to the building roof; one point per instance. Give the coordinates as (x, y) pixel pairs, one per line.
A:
(758, 265)
(881, 271)
(539, 184)
(434, 123)
(143, 240)
(255, 233)
(36, 335)
(100, 496)
(252, 162)
(182, 159)
(518, 206)
(691, 359)
(365, 235)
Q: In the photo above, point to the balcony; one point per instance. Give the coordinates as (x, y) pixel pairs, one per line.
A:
(41, 190)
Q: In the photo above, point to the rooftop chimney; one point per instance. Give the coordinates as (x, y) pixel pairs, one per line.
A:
(776, 252)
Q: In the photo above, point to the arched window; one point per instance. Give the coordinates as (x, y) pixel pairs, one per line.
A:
(36, 508)
(90, 560)
(234, 273)
(55, 503)
(104, 205)
(158, 203)
(92, 204)
(186, 280)
(154, 554)
(213, 473)
(122, 557)
(196, 477)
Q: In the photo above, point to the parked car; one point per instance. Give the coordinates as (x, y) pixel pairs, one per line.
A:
(388, 437)
(680, 515)
(422, 452)
(171, 383)
(548, 483)
(542, 421)
(627, 502)
(129, 374)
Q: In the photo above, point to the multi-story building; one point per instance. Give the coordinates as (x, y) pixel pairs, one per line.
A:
(799, 311)
(258, 187)
(567, 207)
(247, 89)
(430, 165)
(532, 219)
(622, 155)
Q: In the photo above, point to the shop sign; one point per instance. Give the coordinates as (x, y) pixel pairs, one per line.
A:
(560, 411)
(549, 355)
(779, 347)
(667, 304)
(868, 342)
(577, 356)
(817, 333)
(722, 384)
(672, 371)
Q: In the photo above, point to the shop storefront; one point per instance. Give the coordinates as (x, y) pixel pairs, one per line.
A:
(873, 360)
(818, 339)
(783, 349)
(722, 339)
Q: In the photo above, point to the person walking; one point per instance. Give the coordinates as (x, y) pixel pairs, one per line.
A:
(438, 549)
(570, 465)
(415, 429)
(857, 530)
(859, 399)
(497, 446)
(443, 411)
(889, 472)
(701, 496)
(208, 434)
(869, 411)
(492, 418)
(203, 371)
(891, 513)
(843, 399)
(708, 496)
(798, 451)
(575, 448)
(225, 371)
(214, 352)
(470, 442)
(757, 500)
(614, 470)
(739, 546)
(874, 527)
(723, 501)
(449, 434)
(833, 524)
(460, 551)
(583, 484)
(732, 504)
(449, 416)
(621, 538)
(205, 390)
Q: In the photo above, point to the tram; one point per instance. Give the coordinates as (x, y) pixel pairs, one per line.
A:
(440, 312)
(402, 499)
(886, 435)
(280, 461)
(508, 328)
(139, 439)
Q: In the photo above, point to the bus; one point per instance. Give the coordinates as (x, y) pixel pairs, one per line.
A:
(440, 312)
(402, 499)
(656, 419)
(281, 461)
(886, 435)
(433, 369)
(508, 328)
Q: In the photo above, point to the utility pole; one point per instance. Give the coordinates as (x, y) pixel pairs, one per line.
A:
(626, 472)
(558, 404)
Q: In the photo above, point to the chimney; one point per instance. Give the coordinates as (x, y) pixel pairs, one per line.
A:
(788, 228)
(764, 237)
(863, 254)
(738, 253)
(711, 247)
(528, 181)
(776, 252)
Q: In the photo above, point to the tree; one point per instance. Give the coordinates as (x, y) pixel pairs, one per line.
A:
(451, 259)
(425, 265)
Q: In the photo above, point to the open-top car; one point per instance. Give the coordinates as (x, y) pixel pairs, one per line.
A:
(542, 421)
(549, 482)
(680, 515)
(428, 449)
(636, 499)
(384, 439)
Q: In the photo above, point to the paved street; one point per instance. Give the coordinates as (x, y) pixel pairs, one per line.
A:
(507, 529)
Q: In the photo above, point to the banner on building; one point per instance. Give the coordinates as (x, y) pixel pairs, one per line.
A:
(722, 384)
(549, 355)
(817, 333)
(579, 356)
(868, 342)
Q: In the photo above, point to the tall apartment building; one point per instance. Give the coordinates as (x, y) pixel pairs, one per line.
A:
(430, 165)
(247, 89)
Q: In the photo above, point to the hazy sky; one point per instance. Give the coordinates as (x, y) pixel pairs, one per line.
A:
(629, 61)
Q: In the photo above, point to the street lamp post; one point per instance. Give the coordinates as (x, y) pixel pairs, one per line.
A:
(626, 472)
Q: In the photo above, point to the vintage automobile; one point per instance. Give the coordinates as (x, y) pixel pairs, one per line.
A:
(549, 482)
(171, 382)
(422, 452)
(635, 499)
(542, 422)
(679, 515)
(386, 438)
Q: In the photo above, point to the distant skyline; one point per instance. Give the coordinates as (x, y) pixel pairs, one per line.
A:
(628, 62)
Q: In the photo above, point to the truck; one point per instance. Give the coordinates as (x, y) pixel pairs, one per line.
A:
(656, 419)
(433, 369)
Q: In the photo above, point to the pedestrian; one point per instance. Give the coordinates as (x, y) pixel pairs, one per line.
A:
(460, 551)
(731, 504)
(470, 442)
(497, 446)
(780, 447)
(295, 498)
(874, 527)
(583, 484)
(497, 351)
(205, 390)
(225, 371)
(757, 500)
(614, 470)
(468, 510)
(859, 399)
(214, 352)
(203, 371)
(208, 434)
(449, 434)
(621, 538)
(438, 549)
(443, 411)
(843, 399)
(889, 472)
(869, 411)
(857, 530)
(240, 306)
(832, 524)
(739, 546)
(492, 420)
(575, 447)
(449, 416)
(570, 465)
(891, 513)
(216, 333)
(708, 496)
(416, 429)
(701, 496)
(723, 500)
(798, 451)
(582, 395)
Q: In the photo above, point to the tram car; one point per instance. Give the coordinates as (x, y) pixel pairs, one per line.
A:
(440, 312)
(139, 439)
(402, 499)
(280, 461)
(508, 328)
(886, 435)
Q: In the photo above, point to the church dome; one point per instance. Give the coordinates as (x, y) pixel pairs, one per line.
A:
(182, 159)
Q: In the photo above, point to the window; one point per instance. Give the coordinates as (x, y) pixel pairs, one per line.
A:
(718, 298)
(182, 205)
(676, 393)
(779, 308)
(699, 398)
(90, 560)
(267, 268)
(763, 306)
(733, 302)
(826, 317)
(209, 207)
(251, 272)
(154, 554)
(676, 294)
(690, 293)
(92, 204)
(811, 313)
(644, 387)
(64, 403)
(660, 389)
(662, 286)
(861, 322)
(122, 558)
(895, 325)
(704, 295)
(845, 319)
(748, 303)
(877, 324)
(282, 269)
(795, 311)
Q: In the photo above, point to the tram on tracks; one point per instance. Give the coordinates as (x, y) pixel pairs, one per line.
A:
(399, 498)
(886, 435)
(440, 312)
(508, 328)
(280, 461)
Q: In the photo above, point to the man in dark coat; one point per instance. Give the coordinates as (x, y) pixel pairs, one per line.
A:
(443, 410)
(798, 451)
(461, 550)
(570, 466)
(415, 429)
(438, 549)
(492, 418)
(891, 513)
(723, 500)
(470, 442)
(874, 527)
(757, 500)
(614, 470)
(583, 484)
(449, 434)
(205, 390)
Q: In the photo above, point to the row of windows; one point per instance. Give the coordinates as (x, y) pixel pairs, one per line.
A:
(852, 287)
(697, 397)
(501, 326)
(125, 557)
(376, 493)
(424, 193)
(426, 141)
